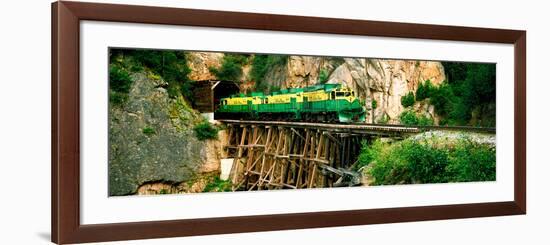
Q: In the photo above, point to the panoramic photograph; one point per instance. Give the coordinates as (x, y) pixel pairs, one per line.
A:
(197, 122)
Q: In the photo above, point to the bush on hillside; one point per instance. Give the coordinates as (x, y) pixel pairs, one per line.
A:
(412, 161)
(205, 131)
(424, 90)
(410, 118)
(231, 68)
(119, 84)
(407, 100)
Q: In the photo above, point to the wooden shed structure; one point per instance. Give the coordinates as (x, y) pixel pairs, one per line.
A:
(207, 93)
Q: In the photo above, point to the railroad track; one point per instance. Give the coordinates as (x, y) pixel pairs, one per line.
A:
(367, 127)
(443, 128)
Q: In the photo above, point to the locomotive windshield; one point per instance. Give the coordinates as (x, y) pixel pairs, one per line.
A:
(343, 94)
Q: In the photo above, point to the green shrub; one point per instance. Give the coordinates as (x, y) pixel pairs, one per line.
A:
(231, 68)
(205, 131)
(387, 167)
(168, 64)
(323, 76)
(218, 185)
(425, 163)
(407, 100)
(119, 79)
(117, 98)
(472, 162)
(367, 154)
(424, 90)
(374, 104)
(119, 84)
(412, 161)
(425, 121)
(148, 131)
(385, 119)
(408, 118)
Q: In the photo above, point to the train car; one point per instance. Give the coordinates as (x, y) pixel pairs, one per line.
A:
(320, 103)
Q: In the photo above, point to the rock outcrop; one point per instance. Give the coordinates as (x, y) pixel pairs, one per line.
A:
(152, 140)
(200, 62)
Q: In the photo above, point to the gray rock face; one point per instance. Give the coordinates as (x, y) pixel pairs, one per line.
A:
(151, 138)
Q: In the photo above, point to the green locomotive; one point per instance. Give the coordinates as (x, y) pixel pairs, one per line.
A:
(320, 103)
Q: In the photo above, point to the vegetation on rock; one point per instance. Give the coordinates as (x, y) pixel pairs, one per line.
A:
(323, 76)
(374, 104)
(424, 90)
(168, 64)
(261, 65)
(469, 87)
(119, 84)
(218, 185)
(205, 131)
(148, 131)
(231, 67)
(384, 119)
(407, 100)
(410, 118)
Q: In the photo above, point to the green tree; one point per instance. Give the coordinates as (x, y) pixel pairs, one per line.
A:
(455, 71)
(424, 90)
(323, 76)
(119, 84)
(407, 100)
(469, 87)
(119, 79)
(442, 99)
(231, 68)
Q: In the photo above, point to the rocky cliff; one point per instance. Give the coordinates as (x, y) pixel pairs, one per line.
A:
(151, 139)
(382, 80)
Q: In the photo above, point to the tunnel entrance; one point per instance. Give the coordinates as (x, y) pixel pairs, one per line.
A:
(207, 94)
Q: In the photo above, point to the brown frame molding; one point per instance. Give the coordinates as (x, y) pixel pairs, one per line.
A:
(66, 227)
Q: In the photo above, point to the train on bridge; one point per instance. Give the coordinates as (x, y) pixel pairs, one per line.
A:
(319, 103)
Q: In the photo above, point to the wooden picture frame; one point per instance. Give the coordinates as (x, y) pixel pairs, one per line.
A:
(66, 227)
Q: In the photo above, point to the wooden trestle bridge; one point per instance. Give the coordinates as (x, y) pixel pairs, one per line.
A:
(295, 155)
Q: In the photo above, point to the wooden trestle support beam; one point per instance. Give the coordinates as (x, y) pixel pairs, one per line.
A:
(284, 157)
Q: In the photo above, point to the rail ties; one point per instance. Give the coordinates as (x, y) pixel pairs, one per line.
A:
(362, 127)
(353, 128)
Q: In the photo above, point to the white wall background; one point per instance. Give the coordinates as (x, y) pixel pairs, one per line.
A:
(25, 121)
